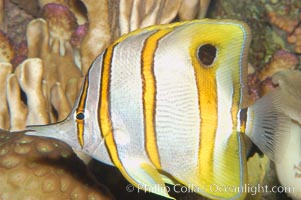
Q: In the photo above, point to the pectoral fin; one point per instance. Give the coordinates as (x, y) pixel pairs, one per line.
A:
(268, 127)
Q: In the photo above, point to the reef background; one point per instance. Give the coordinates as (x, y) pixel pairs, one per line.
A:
(46, 48)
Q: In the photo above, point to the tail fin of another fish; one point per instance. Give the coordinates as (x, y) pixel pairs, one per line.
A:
(268, 127)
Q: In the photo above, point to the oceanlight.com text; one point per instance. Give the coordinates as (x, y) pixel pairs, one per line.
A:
(214, 188)
(251, 189)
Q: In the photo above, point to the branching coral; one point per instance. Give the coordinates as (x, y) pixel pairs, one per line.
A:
(100, 30)
(60, 101)
(57, 67)
(280, 61)
(18, 111)
(260, 81)
(61, 24)
(5, 69)
(36, 77)
(189, 9)
(75, 6)
(30, 75)
(291, 26)
(110, 19)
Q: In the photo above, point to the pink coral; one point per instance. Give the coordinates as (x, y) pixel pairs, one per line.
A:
(280, 60)
(61, 22)
(260, 81)
(291, 26)
(78, 35)
(284, 23)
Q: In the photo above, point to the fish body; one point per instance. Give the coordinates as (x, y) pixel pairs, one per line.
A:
(163, 104)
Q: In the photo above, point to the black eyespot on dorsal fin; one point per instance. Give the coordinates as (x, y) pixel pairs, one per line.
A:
(207, 54)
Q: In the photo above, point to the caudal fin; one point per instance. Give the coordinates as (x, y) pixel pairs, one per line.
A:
(268, 127)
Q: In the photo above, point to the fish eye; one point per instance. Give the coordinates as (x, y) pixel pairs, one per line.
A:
(207, 54)
(80, 116)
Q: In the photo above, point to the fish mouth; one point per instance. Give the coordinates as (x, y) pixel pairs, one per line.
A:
(64, 131)
(49, 130)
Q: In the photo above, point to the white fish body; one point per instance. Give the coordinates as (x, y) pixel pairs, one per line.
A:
(163, 104)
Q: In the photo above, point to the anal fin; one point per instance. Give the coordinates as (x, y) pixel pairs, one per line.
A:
(168, 180)
(146, 177)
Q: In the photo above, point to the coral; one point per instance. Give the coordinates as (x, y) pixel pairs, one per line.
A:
(260, 82)
(15, 21)
(30, 76)
(38, 106)
(21, 52)
(191, 9)
(189, 5)
(17, 109)
(42, 3)
(38, 90)
(203, 7)
(263, 44)
(284, 16)
(75, 6)
(78, 35)
(57, 67)
(110, 19)
(30, 6)
(101, 23)
(7, 52)
(2, 15)
(5, 70)
(33, 7)
(60, 101)
(61, 24)
(266, 39)
(291, 26)
(267, 54)
(281, 60)
(284, 23)
(37, 168)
